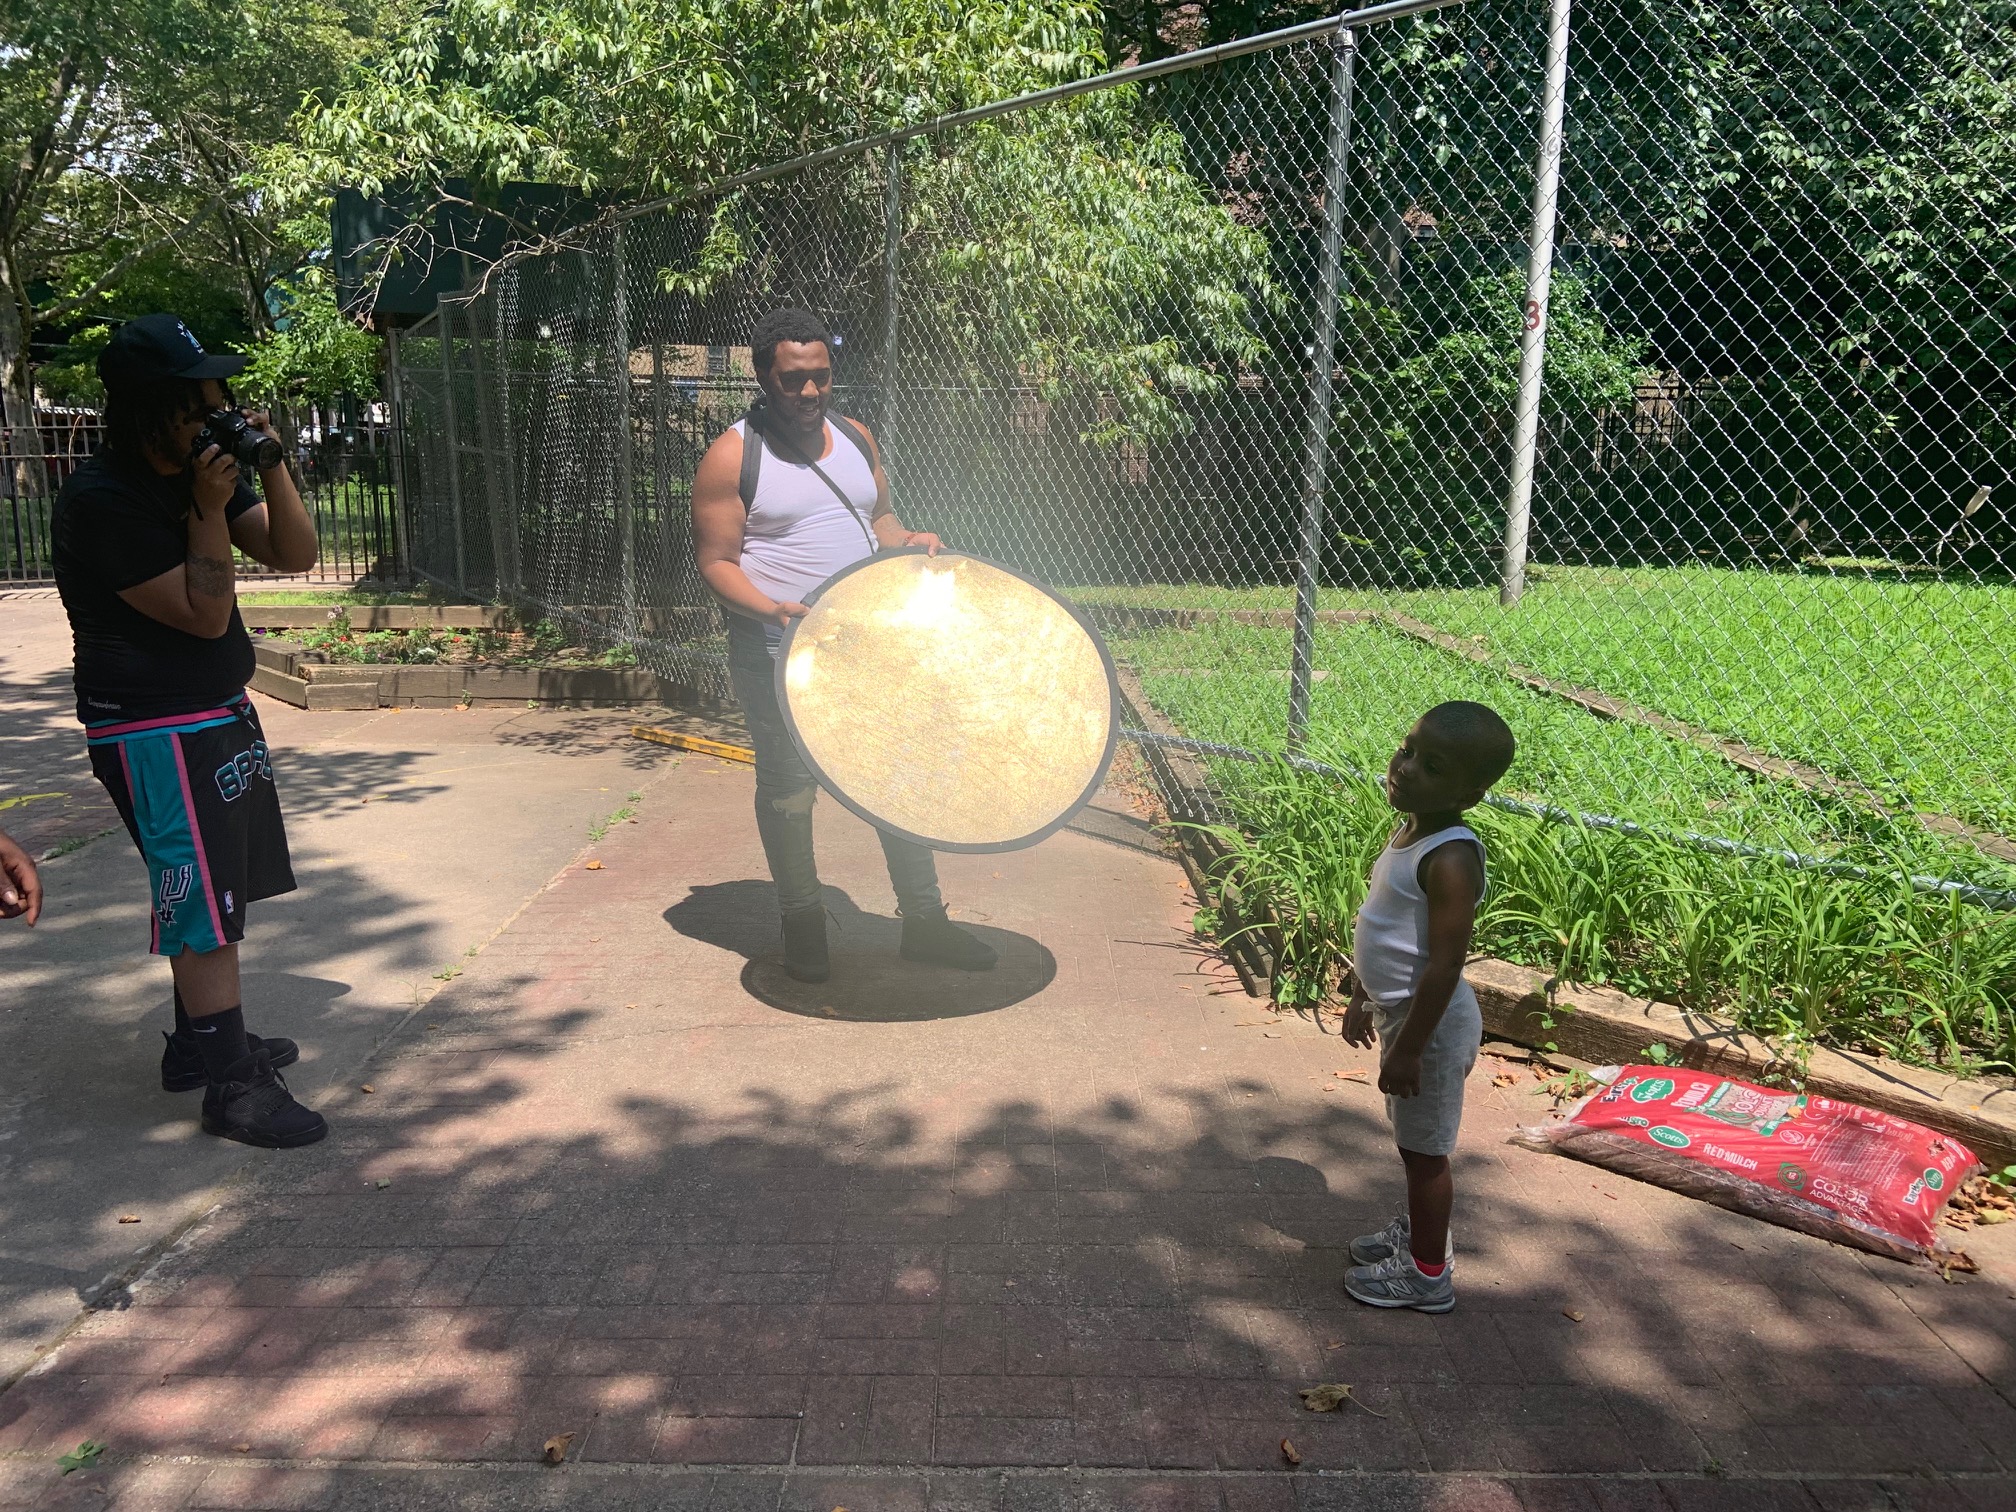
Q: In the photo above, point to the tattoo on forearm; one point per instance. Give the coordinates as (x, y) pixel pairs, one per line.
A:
(209, 576)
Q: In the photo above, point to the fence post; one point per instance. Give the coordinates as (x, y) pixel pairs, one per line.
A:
(626, 504)
(395, 394)
(507, 457)
(1533, 339)
(454, 439)
(1316, 464)
(661, 481)
(489, 440)
(892, 240)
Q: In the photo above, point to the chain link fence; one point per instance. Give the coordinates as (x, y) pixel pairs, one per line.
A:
(1334, 383)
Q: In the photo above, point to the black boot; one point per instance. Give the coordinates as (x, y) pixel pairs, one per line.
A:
(182, 1062)
(805, 944)
(934, 939)
(253, 1106)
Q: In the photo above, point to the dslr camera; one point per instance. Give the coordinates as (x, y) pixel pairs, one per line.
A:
(229, 430)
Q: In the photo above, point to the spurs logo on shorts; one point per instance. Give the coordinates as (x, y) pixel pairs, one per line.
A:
(236, 775)
(175, 884)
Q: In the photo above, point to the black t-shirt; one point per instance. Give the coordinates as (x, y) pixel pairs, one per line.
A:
(118, 523)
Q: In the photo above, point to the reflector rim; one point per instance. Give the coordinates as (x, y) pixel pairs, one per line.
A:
(861, 811)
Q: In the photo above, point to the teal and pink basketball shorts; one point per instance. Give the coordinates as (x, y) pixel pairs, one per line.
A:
(196, 792)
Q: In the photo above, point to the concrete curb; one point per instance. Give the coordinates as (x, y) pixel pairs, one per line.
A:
(688, 621)
(282, 673)
(1608, 1028)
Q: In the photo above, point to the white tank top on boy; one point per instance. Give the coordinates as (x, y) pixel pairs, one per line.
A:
(1390, 940)
(798, 533)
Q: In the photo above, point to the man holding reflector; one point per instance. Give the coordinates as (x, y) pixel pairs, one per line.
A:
(784, 499)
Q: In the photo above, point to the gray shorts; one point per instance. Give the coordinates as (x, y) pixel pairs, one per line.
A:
(1427, 1122)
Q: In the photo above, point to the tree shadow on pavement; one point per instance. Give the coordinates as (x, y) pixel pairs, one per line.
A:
(86, 1133)
(861, 1297)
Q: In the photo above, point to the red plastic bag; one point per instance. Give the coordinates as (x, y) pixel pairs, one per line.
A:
(1845, 1173)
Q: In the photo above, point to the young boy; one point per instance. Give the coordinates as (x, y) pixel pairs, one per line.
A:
(1412, 937)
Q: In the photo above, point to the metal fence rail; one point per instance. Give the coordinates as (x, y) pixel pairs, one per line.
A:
(342, 464)
(1651, 379)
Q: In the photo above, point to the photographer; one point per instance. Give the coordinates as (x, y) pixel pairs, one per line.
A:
(143, 536)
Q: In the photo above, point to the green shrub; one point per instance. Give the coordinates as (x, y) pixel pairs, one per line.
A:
(1804, 956)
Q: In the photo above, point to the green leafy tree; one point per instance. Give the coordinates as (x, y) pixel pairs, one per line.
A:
(1066, 248)
(129, 127)
(632, 102)
(1074, 251)
(315, 352)
(1424, 423)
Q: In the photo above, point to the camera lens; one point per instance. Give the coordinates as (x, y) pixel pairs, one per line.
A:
(257, 450)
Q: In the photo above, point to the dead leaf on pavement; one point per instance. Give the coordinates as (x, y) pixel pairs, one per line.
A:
(1334, 1344)
(1956, 1263)
(1357, 1076)
(369, 1088)
(241, 1448)
(1571, 1315)
(1288, 1452)
(1331, 1397)
(1270, 1034)
(1504, 1079)
(129, 1217)
(593, 866)
(556, 1447)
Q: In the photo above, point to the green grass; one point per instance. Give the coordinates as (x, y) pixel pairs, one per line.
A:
(1906, 687)
(306, 596)
(1901, 685)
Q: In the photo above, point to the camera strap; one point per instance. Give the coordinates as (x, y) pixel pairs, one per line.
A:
(756, 421)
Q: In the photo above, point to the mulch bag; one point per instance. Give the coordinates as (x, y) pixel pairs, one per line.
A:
(1845, 1173)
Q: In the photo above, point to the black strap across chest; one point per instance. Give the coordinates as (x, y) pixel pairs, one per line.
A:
(752, 456)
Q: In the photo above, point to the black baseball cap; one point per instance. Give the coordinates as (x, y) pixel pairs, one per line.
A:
(155, 347)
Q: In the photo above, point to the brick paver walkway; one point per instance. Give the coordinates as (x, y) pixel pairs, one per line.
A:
(1068, 1236)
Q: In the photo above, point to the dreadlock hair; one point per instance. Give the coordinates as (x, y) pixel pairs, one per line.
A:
(143, 416)
(783, 325)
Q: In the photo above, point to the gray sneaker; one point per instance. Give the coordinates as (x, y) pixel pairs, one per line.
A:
(1396, 1282)
(1370, 1249)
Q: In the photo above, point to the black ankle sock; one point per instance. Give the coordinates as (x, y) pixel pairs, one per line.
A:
(220, 1040)
(181, 1016)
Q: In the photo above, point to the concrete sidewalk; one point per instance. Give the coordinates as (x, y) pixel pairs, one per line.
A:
(1065, 1236)
(416, 836)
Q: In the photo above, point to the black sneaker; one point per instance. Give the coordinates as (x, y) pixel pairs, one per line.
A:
(805, 945)
(182, 1062)
(253, 1106)
(937, 941)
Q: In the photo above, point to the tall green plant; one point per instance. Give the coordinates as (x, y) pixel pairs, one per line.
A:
(1805, 957)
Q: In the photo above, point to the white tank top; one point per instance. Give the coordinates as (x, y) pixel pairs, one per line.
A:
(1389, 944)
(798, 533)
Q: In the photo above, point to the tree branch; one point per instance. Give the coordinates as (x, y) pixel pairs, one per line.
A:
(118, 269)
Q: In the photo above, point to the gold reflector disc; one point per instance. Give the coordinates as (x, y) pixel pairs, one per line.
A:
(949, 700)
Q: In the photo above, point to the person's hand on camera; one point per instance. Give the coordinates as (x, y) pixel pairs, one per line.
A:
(931, 544)
(262, 420)
(20, 887)
(782, 614)
(215, 480)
